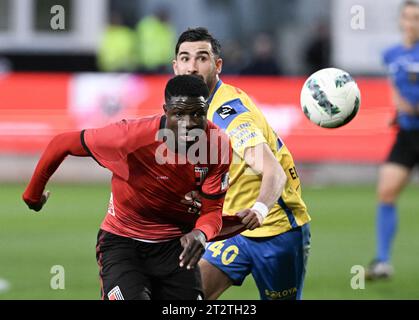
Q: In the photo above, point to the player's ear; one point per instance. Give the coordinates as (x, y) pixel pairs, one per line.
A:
(219, 65)
(165, 108)
(174, 66)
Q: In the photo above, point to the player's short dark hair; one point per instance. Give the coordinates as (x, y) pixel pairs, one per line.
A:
(408, 3)
(186, 85)
(199, 34)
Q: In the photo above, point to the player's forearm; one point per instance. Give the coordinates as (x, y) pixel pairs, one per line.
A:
(210, 221)
(272, 185)
(56, 151)
(402, 104)
(261, 159)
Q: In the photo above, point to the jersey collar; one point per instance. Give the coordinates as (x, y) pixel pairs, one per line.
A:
(219, 83)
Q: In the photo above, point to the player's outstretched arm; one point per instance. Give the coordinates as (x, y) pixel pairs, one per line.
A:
(261, 159)
(56, 151)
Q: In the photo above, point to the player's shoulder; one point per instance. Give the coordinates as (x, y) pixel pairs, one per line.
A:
(392, 53)
(228, 103)
(145, 127)
(147, 120)
(396, 48)
(232, 89)
(230, 92)
(148, 124)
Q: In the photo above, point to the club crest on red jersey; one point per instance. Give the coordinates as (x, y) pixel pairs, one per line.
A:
(200, 174)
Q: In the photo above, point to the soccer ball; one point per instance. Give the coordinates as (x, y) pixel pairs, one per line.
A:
(330, 98)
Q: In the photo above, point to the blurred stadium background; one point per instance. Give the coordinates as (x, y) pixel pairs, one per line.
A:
(110, 60)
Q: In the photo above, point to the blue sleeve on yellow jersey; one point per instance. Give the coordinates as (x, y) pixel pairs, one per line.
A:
(225, 114)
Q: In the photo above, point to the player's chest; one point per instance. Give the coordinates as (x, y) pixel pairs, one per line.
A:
(150, 172)
(405, 68)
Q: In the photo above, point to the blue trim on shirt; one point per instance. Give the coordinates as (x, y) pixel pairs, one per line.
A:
(219, 83)
(288, 211)
(279, 144)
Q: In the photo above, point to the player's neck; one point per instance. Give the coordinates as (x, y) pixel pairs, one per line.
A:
(409, 42)
(214, 85)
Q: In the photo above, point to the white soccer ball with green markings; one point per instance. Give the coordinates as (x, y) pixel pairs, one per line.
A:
(330, 98)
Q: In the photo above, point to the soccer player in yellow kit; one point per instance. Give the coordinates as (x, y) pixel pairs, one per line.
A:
(263, 183)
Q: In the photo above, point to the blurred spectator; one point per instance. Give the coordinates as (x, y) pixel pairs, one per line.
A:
(317, 52)
(232, 57)
(263, 61)
(116, 51)
(5, 65)
(155, 39)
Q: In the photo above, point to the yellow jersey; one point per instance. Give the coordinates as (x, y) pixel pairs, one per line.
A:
(234, 112)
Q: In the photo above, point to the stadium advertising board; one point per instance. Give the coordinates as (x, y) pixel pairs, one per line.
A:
(35, 107)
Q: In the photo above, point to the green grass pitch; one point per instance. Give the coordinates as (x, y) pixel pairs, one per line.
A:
(64, 234)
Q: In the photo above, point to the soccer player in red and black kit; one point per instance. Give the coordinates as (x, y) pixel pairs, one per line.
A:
(149, 244)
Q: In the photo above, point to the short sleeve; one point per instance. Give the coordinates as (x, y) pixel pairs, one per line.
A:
(236, 120)
(389, 55)
(107, 146)
(244, 133)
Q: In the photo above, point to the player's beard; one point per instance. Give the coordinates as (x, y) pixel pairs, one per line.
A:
(210, 79)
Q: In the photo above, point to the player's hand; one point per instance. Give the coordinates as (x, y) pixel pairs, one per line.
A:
(252, 219)
(193, 201)
(193, 244)
(38, 205)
